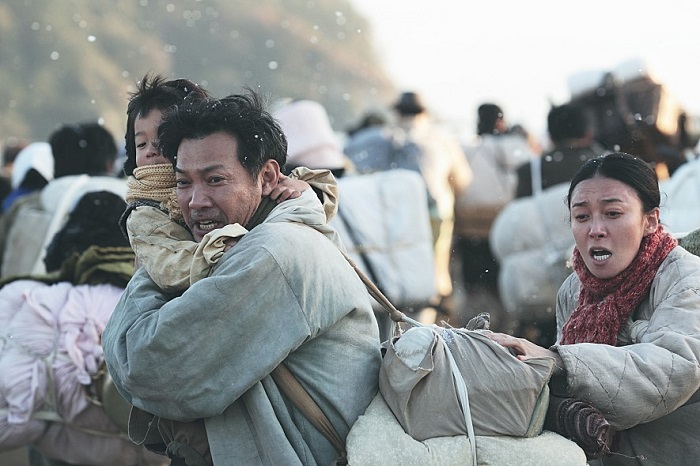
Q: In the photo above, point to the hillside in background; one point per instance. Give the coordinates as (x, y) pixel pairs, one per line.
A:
(70, 61)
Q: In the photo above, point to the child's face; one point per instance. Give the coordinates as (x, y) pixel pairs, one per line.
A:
(146, 139)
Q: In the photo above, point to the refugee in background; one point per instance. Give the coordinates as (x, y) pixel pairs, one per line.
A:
(383, 218)
(571, 133)
(368, 121)
(494, 158)
(84, 149)
(416, 142)
(527, 287)
(66, 418)
(32, 170)
(628, 318)
(12, 147)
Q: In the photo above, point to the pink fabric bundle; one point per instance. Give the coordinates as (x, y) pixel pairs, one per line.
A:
(49, 348)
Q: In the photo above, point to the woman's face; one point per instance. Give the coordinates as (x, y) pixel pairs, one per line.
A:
(146, 139)
(608, 224)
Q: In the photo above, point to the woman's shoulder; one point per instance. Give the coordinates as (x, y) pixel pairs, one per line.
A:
(681, 262)
(679, 271)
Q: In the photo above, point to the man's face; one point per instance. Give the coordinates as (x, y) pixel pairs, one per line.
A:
(213, 188)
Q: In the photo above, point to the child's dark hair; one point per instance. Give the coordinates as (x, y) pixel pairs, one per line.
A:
(154, 92)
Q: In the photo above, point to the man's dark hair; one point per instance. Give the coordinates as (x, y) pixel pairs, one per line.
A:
(154, 93)
(568, 121)
(242, 116)
(86, 148)
(488, 114)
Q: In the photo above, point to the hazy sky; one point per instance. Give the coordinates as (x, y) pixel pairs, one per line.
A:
(460, 53)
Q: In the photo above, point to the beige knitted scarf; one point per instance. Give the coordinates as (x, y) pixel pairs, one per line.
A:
(155, 182)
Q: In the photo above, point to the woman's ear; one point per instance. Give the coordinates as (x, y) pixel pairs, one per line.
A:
(651, 221)
(269, 176)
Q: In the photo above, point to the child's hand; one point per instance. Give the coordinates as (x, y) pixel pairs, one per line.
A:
(288, 188)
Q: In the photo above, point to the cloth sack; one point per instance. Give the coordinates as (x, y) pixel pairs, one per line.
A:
(506, 396)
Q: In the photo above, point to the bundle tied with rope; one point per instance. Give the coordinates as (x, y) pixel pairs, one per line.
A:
(442, 382)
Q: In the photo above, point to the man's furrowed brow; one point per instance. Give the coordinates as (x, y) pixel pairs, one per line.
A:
(204, 170)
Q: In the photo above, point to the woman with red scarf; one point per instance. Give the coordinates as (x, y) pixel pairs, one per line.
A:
(628, 320)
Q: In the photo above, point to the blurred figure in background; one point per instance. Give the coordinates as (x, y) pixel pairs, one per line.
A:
(83, 155)
(417, 143)
(73, 417)
(383, 217)
(533, 264)
(369, 121)
(494, 158)
(12, 148)
(32, 170)
(571, 132)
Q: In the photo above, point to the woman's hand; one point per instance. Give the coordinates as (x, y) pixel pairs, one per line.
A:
(525, 349)
(288, 188)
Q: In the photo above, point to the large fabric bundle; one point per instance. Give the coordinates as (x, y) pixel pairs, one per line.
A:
(377, 439)
(531, 238)
(384, 223)
(494, 162)
(24, 253)
(506, 396)
(49, 353)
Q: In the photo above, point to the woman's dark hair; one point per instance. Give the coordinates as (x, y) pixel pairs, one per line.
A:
(244, 117)
(93, 222)
(626, 168)
(154, 92)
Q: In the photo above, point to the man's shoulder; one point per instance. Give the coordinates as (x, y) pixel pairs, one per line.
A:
(282, 235)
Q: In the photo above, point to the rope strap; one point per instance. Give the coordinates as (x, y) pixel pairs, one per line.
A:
(290, 386)
(398, 316)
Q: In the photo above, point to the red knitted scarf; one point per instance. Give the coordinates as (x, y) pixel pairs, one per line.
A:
(604, 305)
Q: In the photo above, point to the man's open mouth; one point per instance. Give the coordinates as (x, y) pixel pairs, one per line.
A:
(207, 225)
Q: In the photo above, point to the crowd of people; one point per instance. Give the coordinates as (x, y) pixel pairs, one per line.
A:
(224, 260)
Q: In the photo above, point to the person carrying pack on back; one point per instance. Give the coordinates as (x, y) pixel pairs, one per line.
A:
(416, 143)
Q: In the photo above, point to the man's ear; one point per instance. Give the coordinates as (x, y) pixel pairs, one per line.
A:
(269, 176)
